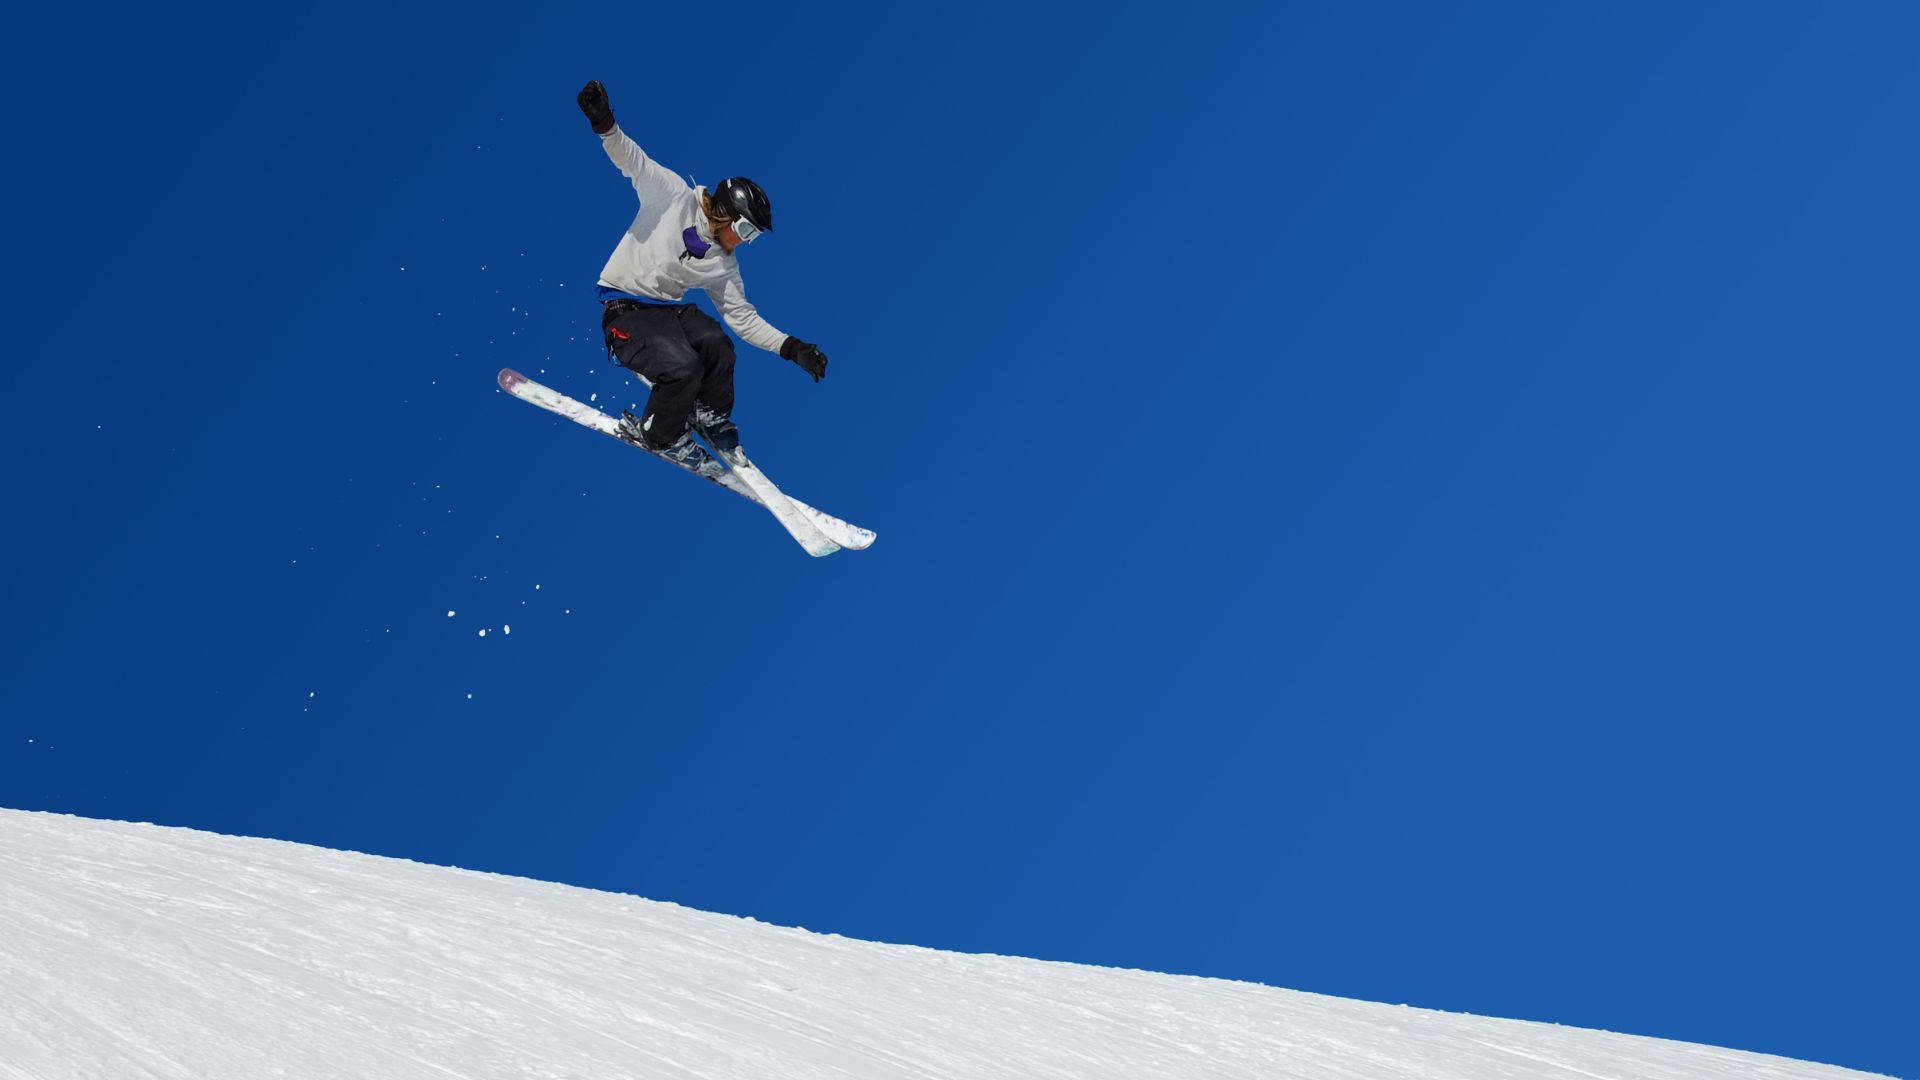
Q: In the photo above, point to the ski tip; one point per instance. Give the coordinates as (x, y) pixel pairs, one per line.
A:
(509, 378)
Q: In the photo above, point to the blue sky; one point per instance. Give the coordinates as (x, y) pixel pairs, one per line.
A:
(1404, 503)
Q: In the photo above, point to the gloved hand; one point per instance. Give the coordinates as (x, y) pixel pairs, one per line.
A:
(809, 357)
(593, 101)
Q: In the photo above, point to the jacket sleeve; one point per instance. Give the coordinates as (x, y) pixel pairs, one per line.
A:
(730, 296)
(650, 180)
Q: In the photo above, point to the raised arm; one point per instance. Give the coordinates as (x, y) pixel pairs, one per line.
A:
(650, 179)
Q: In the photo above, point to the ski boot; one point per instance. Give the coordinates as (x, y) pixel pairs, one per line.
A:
(684, 452)
(716, 429)
(630, 428)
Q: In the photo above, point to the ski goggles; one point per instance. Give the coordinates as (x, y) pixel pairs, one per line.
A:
(745, 229)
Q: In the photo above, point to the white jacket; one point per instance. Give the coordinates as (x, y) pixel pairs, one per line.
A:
(648, 260)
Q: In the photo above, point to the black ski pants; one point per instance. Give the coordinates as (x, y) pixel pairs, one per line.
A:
(681, 352)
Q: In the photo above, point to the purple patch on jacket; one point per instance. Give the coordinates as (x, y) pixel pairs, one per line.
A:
(696, 247)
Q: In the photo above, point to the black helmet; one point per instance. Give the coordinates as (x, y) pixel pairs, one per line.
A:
(740, 197)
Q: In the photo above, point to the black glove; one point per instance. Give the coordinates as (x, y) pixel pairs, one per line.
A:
(593, 101)
(809, 357)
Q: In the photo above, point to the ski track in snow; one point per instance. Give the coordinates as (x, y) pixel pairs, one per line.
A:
(134, 951)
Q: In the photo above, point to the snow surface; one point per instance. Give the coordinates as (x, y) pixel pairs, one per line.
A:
(138, 951)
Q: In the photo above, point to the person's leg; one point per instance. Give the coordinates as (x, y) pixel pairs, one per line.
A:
(648, 340)
(713, 407)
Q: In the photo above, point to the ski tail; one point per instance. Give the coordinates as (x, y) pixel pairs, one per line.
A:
(804, 531)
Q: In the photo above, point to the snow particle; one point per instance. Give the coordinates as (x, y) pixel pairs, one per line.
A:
(449, 614)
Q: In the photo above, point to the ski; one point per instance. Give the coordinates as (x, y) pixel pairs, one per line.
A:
(819, 533)
(779, 504)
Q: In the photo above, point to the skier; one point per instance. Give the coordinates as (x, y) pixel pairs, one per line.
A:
(683, 238)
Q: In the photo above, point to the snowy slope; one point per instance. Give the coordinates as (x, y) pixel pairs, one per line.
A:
(137, 951)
